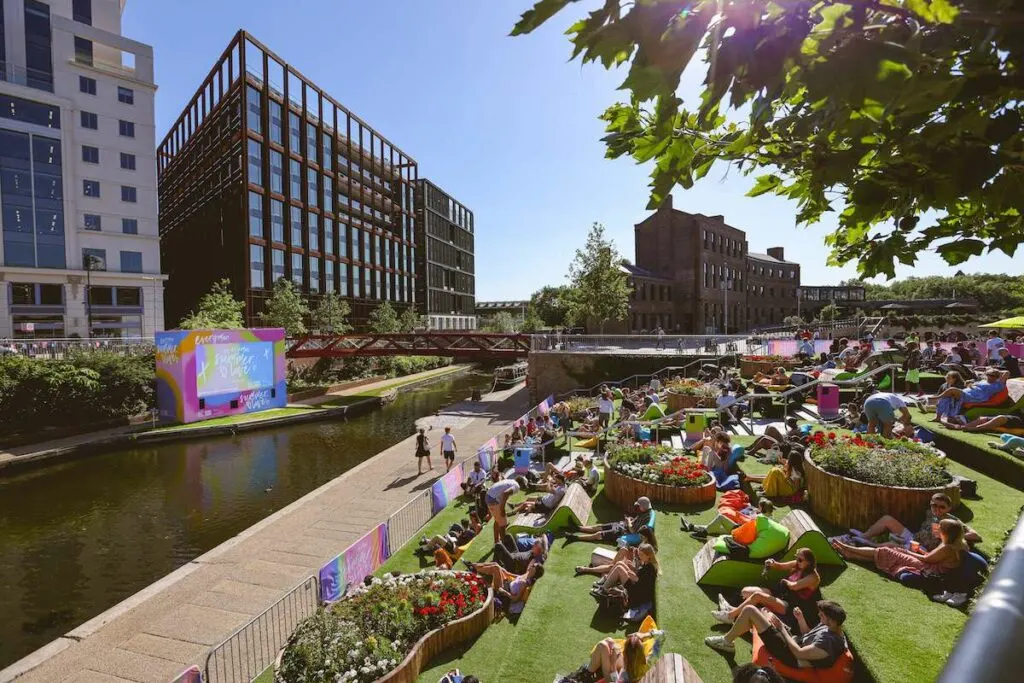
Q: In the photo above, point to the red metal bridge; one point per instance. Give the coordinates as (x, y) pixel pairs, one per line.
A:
(454, 344)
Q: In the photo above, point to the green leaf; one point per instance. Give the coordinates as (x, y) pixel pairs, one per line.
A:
(765, 183)
(955, 253)
(541, 12)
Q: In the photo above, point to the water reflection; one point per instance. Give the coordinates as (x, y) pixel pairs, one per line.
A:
(78, 537)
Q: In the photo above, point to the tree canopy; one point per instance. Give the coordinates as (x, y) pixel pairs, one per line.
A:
(992, 292)
(550, 306)
(286, 308)
(384, 320)
(408, 321)
(218, 310)
(501, 322)
(331, 314)
(903, 117)
(599, 289)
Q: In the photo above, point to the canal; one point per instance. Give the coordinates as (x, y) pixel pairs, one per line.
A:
(76, 538)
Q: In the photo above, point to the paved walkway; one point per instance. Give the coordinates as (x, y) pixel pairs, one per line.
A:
(396, 382)
(156, 633)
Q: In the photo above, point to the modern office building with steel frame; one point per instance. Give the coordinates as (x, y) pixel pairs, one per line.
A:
(447, 286)
(265, 176)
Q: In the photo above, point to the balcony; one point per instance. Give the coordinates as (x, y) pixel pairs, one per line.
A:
(30, 78)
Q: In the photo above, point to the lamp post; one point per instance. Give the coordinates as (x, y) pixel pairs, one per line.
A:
(725, 286)
(88, 261)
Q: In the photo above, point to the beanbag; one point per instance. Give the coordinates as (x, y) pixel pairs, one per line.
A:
(654, 412)
(589, 443)
(840, 672)
(616, 392)
(731, 504)
(762, 535)
(999, 398)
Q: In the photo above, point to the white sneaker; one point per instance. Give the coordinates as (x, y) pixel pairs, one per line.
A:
(719, 643)
(723, 603)
(942, 597)
(722, 616)
(957, 600)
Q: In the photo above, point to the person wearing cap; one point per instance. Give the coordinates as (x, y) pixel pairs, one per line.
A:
(610, 533)
(979, 392)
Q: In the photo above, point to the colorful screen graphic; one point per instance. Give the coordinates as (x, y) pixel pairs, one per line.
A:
(226, 368)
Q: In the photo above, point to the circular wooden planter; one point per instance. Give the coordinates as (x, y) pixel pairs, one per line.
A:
(851, 504)
(749, 367)
(625, 490)
(434, 642)
(678, 401)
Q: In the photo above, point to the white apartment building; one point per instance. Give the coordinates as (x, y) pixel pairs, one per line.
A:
(79, 246)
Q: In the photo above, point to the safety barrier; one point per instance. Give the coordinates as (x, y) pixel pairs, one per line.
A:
(55, 349)
(720, 344)
(409, 519)
(247, 652)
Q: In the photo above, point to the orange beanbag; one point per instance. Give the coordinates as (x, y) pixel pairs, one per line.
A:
(997, 400)
(745, 533)
(732, 502)
(840, 672)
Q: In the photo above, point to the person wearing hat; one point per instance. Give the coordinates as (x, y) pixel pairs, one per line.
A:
(609, 533)
(1008, 363)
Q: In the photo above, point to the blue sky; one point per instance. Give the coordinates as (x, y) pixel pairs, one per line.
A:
(506, 125)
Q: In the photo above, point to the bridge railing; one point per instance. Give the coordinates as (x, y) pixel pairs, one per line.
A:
(56, 349)
(669, 344)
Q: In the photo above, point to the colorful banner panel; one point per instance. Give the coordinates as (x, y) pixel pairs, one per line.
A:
(446, 489)
(357, 562)
(202, 374)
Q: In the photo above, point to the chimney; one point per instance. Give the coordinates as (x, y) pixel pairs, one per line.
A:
(666, 203)
(777, 253)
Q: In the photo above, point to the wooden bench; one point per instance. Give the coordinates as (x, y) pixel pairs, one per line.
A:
(671, 668)
(576, 504)
(712, 569)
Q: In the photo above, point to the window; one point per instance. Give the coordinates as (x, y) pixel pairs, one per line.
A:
(276, 220)
(311, 191)
(81, 11)
(343, 279)
(127, 161)
(275, 122)
(101, 296)
(255, 163)
(256, 277)
(90, 155)
(125, 95)
(129, 194)
(296, 225)
(328, 155)
(342, 240)
(254, 116)
(297, 270)
(328, 193)
(355, 244)
(130, 226)
(125, 129)
(27, 111)
(131, 261)
(311, 145)
(255, 214)
(93, 222)
(314, 233)
(38, 46)
(87, 85)
(295, 179)
(328, 236)
(94, 259)
(128, 296)
(328, 276)
(314, 274)
(357, 287)
(277, 264)
(91, 188)
(276, 172)
(89, 120)
(294, 133)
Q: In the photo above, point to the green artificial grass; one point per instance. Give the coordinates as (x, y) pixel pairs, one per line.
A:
(239, 419)
(972, 449)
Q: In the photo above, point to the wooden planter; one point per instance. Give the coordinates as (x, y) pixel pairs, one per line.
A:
(851, 504)
(625, 490)
(435, 642)
(677, 401)
(749, 367)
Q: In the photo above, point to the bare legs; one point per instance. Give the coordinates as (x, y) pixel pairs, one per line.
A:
(491, 570)
(985, 424)
(853, 553)
(606, 658)
(749, 619)
(886, 524)
(757, 597)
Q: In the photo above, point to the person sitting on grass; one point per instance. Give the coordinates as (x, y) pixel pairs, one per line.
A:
(818, 648)
(927, 536)
(1009, 443)
(788, 480)
(510, 590)
(619, 660)
(475, 481)
(798, 590)
(459, 534)
(764, 507)
(779, 378)
(773, 436)
(610, 532)
(547, 503)
(978, 392)
(990, 423)
(516, 554)
(628, 554)
(895, 561)
(632, 584)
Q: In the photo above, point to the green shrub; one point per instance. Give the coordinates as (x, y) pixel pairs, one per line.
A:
(886, 462)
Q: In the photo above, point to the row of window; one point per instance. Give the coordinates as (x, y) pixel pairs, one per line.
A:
(346, 279)
(96, 259)
(91, 155)
(772, 272)
(91, 188)
(725, 245)
(32, 197)
(90, 121)
(94, 222)
(27, 111)
(88, 86)
(42, 294)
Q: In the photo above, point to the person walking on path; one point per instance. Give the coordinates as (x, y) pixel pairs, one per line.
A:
(423, 450)
(448, 448)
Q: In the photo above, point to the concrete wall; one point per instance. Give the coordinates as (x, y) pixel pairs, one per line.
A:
(555, 373)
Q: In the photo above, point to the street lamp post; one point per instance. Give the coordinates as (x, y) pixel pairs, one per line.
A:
(87, 262)
(725, 286)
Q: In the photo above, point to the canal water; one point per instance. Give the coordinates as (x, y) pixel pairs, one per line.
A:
(76, 538)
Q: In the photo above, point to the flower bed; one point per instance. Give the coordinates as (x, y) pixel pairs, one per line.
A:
(686, 394)
(852, 481)
(388, 631)
(656, 472)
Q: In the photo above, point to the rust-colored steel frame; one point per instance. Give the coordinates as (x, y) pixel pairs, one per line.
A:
(455, 344)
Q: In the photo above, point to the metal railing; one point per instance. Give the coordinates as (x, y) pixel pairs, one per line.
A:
(634, 381)
(406, 522)
(717, 345)
(31, 78)
(247, 652)
(56, 349)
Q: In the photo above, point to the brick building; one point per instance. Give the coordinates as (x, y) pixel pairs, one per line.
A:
(694, 274)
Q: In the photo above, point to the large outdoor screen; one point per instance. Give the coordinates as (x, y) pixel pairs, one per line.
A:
(233, 367)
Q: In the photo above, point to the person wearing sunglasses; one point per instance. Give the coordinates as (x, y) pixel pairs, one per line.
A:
(798, 589)
(927, 536)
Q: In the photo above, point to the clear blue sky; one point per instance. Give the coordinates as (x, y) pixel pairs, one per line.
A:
(506, 125)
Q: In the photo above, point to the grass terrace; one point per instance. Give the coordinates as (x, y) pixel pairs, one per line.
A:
(898, 635)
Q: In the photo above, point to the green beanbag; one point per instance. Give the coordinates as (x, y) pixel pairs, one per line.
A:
(654, 412)
(616, 392)
(772, 538)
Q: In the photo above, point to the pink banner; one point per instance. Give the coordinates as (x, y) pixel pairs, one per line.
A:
(357, 562)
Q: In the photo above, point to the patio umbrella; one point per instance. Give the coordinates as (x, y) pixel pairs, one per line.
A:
(959, 304)
(1015, 323)
(893, 307)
